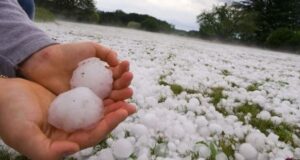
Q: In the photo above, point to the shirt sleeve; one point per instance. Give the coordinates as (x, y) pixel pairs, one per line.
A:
(19, 37)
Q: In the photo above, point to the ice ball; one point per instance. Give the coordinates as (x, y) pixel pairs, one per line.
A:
(122, 148)
(92, 73)
(248, 151)
(76, 109)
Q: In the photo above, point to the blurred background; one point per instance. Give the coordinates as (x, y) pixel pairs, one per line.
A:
(273, 24)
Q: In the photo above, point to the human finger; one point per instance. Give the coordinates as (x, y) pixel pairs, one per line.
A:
(123, 82)
(120, 95)
(119, 70)
(106, 54)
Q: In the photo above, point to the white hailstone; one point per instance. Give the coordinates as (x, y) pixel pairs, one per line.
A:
(106, 154)
(221, 156)
(86, 152)
(263, 156)
(122, 148)
(204, 132)
(215, 128)
(248, 151)
(92, 73)
(204, 151)
(201, 121)
(257, 140)
(76, 109)
(264, 115)
(297, 153)
(238, 156)
(139, 130)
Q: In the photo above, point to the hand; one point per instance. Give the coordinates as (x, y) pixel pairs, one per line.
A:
(24, 124)
(53, 67)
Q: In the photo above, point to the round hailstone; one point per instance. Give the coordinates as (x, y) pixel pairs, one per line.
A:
(248, 151)
(204, 151)
(122, 148)
(76, 109)
(92, 73)
(257, 140)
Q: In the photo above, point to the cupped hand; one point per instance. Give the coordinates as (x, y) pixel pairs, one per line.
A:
(52, 67)
(24, 122)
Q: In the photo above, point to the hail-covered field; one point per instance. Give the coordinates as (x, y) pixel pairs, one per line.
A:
(197, 99)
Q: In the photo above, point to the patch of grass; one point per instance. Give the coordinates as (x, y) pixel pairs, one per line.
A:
(70, 158)
(226, 145)
(24, 158)
(222, 110)
(4, 154)
(225, 72)
(133, 156)
(176, 88)
(162, 99)
(245, 109)
(101, 145)
(253, 87)
(216, 95)
(43, 15)
(283, 130)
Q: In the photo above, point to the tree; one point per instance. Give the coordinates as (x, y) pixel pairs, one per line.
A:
(271, 15)
(227, 23)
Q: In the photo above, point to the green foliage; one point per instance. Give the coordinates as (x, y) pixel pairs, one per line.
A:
(280, 38)
(134, 20)
(150, 24)
(216, 95)
(44, 15)
(226, 72)
(272, 23)
(227, 146)
(79, 10)
(213, 151)
(253, 87)
(247, 108)
(4, 154)
(176, 89)
(133, 24)
(21, 158)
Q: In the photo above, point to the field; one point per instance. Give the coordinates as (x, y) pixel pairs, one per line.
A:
(197, 99)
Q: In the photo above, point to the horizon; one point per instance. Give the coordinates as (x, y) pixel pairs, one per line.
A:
(183, 14)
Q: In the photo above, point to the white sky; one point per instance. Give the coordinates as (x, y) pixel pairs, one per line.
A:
(181, 13)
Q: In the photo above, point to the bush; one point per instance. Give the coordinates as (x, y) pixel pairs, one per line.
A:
(133, 24)
(42, 14)
(280, 38)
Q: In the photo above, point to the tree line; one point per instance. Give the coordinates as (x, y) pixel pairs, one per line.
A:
(271, 23)
(85, 11)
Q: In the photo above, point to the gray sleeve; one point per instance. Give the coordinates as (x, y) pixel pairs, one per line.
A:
(19, 37)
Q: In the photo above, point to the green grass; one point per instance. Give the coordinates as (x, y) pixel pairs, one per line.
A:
(4, 154)
(283, 130)
(216, 95)
(43, 15)
(253, 87)
(176, 88)
(245, 109)
(226, 72)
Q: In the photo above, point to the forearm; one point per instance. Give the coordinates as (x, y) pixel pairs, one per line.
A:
(20, 38)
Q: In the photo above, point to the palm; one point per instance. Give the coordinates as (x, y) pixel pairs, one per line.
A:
(25, 126)
(53, 66)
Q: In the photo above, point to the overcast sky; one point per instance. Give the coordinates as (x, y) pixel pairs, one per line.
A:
(181, 13)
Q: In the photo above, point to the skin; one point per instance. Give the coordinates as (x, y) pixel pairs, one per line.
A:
(24, 104)
(24, 122)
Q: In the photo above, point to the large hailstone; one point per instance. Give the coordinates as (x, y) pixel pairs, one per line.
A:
(76, 109)
(92, 73)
